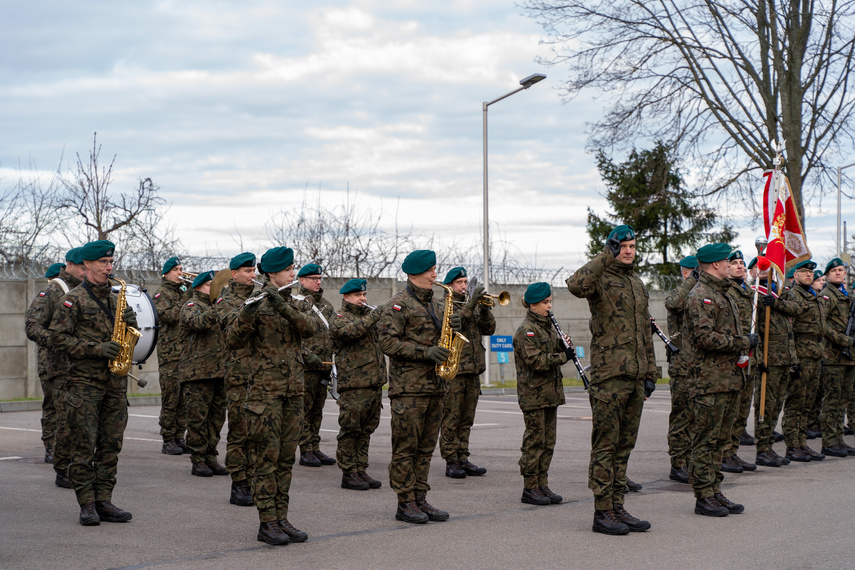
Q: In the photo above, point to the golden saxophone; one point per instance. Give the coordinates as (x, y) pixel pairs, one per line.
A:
(453, 341)
(127, 336)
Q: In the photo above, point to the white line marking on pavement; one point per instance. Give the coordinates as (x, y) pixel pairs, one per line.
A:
(330, 430)
(12, 457)
(142, 439)
(20, 429)
(142, 416)
(484, 425)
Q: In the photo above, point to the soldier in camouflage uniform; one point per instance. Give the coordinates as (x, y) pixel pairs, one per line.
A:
(680, 419)
(815, 404)
(716, 349)
(96, 401)
(272, 328)
(361, 374)
(623, 373)
(410, 330)
(168, 300)
(201, 371)
(316, 350)
(458, 413)
(538, 356)
(239, 288)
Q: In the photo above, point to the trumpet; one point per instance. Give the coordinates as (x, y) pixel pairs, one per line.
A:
(262, 295)
(188, 277)
(372, 307)
(489, 300)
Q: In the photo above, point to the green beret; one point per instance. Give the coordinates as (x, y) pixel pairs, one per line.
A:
(791, 273)
(809, 264)
(419, 261)
(455, 273)
(54, 270)
(735, 254)
(817, 274)
(713, 252)
(97, 249)
(623, 233)
(537, 292)
(169, 265)
(689, 262)
(310, 269)
(74, 256)
(836, 262)
(354, 286)
(276, 259)
(245, 259)
(752, 263)
(203, 278)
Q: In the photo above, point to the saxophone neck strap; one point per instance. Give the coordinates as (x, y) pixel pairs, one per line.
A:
(428, 307)
(106, 309)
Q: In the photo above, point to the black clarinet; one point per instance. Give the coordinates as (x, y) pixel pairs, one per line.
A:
(668, 344)
(850, 327)
(562, 337)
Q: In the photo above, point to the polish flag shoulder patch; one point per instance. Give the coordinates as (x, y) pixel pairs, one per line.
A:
(68, 303)
(158, 295)
(396, 307)
(825, 297)
(220, 300)
(339, 315)
(529, 334)
(707, 302)
(190, 304)
(42, 294)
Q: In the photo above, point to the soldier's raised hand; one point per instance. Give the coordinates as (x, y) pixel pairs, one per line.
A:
(276, 300)
(110, 349)
(477, 295)
(613, 245)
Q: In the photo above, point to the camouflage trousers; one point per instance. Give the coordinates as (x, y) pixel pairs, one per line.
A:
(538, 446)
(237, 460)
(796, 407)
(206, 414)
(836, 385)
(458, 415)
(740, 424)
(679, 423)
(96, 420)
(777, 387)
(848, 387)
(274, 433)
(616, 406)
(358, 417)
(415, 427)
(173, 410)
(49, 414)
(314, 398)
(713, 415)
(813, 400)
(61, 441)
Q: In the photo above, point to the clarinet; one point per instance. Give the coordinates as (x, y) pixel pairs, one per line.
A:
(850, 326)
(564, 341)
(668, 344)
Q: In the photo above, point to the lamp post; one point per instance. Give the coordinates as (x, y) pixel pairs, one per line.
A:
(525, 83)
(839, 216)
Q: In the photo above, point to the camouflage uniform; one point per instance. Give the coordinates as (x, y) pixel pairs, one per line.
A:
(168, 300)
(838, 372)
(201, 371)
(274, 402)
(361, 371)
(713, 341)
(236, 381)
(458, 413)
(743, 296)
(538, 356)
(96, 402)
(621, 360)
(680, 419)
(316, 380)
(411, 322)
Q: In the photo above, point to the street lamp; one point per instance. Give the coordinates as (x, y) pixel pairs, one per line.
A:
(525, 83)
(839, 192)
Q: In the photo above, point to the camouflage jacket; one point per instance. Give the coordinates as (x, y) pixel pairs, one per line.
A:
(675, 304)
(809, 325)
(743, 296)
(410, 323)
(475, 324)
(621, 338)
(168, 300)
(236, 359)
(359, 362)
(713, 338)
(837, 315)
(37, 323)
(320, 344)
(538, 356)
(782, 346)
(78, 329)
(203, 345)
(276, 361)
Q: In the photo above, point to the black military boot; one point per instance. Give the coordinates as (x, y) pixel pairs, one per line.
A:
(454, 470)
(308, 459)
(784, 460)
(472, 469)
(270, 533)
(294, 534)
(813, 433)
(607, 522)
(354, 482)
(728, 465)
(849, 449)
(241, 495)
(217, 468)
(88, 515)
(433, 513)
(813, 454)
(634, 524)
(679, 474)
(744, 464)
(777, 437)
(111, 513)
(534, 496)
(632, 486)
(171, 448)
(323, 458)
(796, 454)
(766, 459)
(182, 444)
(745, 439)
(409, 512)
(835, 451)
(62, 481)
(732, 508)
(554, 498)
(710, 507)
(372, 482)
(200, 469)
(848, 430)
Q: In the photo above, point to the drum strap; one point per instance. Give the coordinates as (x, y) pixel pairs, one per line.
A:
(62, 284)
(314, 308)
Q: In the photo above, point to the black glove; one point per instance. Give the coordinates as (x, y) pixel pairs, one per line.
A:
(762, 368)
(437, 354)
(769, 300)
(796, 372)
(570, 351)
(753, 340)
(649, 387)
(613, 245)
(249, 309)
(312, 361)
(130, 317)
(477, 294)
(276, 300)
(455, 322)
(696, 273)
(110, 349)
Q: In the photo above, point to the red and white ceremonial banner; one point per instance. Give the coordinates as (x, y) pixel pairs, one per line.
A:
(787, 244)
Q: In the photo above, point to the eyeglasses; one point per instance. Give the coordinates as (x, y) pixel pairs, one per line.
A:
(313, 278)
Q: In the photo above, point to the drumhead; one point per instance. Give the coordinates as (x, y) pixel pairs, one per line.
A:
(143, 306)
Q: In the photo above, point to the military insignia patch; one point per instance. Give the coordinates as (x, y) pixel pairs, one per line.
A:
(707, 302)
(825, 297)
(190, 304)
(219, 300)
(396, 307)
(68, 304)
(529, 334)
(42, 294)
(158, 295)
(339, 315)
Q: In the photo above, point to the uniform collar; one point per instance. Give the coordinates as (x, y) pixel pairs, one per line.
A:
(203, 298)
(423, 295)
(354, 308)
(720, 285)
(539, 319)
(315, 296)
(69, 279)
(100, 291)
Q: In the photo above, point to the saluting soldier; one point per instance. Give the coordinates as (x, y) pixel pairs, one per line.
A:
(814, 404)
(168, 300)
(410, 330)
(538, 356)
(272, 328)
(623, 373)
(361, 371)
(201, 371)
(458, 413)
(238, 289)
(316, 350)
(96, 401)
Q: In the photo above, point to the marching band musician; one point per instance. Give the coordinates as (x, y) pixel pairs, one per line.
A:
(361, 374)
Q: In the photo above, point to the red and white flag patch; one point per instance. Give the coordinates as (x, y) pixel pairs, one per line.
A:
(825, 297)
(220, 300)
(42, 294)
(190, 304)
(396, 307)
(707, 302)
(68, 303)
(339, 315)
(529, 334)
(158, 295)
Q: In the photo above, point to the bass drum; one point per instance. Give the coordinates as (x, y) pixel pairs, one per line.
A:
(143, 306)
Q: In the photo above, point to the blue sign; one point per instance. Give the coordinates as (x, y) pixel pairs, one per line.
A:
(501, 343)
(502, 357)
(580, 352)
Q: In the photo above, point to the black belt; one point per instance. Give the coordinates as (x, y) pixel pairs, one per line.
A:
(779, 337)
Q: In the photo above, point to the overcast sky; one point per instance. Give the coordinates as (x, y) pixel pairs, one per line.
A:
(237, 109)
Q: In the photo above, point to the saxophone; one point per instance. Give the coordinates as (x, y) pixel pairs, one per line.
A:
(449, 339)
(125, 335)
